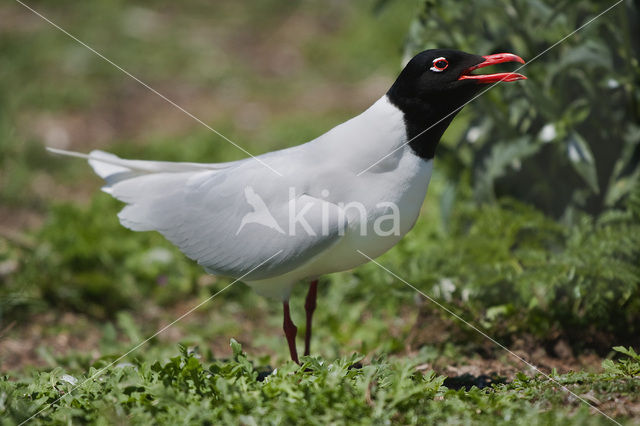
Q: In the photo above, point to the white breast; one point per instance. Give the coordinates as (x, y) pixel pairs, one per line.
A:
(405, 188)
(334, 162)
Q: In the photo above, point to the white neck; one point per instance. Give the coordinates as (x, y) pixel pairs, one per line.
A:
(373, 134)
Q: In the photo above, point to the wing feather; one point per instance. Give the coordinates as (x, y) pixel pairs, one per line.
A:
(200, 208)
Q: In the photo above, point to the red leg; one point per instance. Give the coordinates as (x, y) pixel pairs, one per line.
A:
(309, 307)
(290, 330)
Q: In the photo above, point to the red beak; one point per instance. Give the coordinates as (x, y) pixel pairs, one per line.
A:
(498, 58)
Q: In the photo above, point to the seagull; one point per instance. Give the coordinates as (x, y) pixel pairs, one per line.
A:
(299, 213)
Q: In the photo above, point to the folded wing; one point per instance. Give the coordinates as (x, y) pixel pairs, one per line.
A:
(229, 217)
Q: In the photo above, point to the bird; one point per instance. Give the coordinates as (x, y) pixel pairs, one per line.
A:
(299, 213)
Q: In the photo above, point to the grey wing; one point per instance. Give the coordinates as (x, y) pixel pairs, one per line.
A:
(234, 222)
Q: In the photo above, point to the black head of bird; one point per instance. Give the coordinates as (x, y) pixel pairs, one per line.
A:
(435, 85)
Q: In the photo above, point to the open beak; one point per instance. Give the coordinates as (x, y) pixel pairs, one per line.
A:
(498, 58)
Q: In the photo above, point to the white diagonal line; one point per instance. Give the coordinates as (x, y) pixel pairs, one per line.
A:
(473, 327)
(102, 370)
(494, 84)
(148, 87)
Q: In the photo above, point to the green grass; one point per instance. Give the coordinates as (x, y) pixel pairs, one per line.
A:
(190, 389)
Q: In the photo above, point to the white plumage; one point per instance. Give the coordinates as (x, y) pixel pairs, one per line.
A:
(213, 212)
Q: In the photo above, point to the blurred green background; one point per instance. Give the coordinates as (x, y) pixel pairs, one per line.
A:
(531, 228)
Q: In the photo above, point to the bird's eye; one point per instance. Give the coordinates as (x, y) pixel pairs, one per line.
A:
(439, 64)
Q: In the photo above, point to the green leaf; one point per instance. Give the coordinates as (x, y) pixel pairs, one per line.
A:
(503, 155)
(581, 159)
(626, 172)
(236, 348)
(629, 352)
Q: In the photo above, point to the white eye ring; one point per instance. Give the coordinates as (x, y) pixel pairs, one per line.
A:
(436, 68)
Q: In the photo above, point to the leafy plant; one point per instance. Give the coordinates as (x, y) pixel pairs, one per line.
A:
(184, 389)
(629, 366)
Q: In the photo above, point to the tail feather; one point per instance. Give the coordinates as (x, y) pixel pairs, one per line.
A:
(148, 187)
(107, 165)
